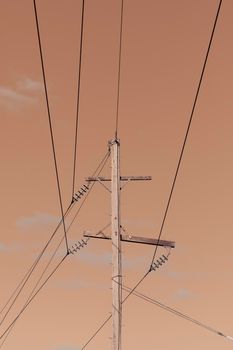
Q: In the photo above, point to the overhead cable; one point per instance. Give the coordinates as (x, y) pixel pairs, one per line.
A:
(34, 292)
(33, 297)
(119, 70)
(176, 173)
(176, 312)
(162, 306)
(31, 269)
(16, 293)
(28, 274)
(50, 123)
(109, 317)
(189, 126)
(78, 98)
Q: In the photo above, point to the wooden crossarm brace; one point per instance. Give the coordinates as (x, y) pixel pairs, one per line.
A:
(135, 239)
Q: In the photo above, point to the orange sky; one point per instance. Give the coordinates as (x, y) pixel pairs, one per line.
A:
(163, 48)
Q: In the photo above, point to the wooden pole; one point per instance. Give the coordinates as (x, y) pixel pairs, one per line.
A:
(117, 183)
(116, 246)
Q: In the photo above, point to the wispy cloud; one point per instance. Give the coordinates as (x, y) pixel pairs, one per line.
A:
(23, 93)
(37, 220)
(10, 248)
(183, 293)
(135, 262)
(137, 223)
(106, 258)
(11, 99)
(94, 258)
(29, 85)
(3, 247)
(72, 284)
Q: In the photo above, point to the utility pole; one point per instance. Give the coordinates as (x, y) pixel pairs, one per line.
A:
(116, 236)
(116, 246)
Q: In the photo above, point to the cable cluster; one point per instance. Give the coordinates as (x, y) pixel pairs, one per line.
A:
(80, 193)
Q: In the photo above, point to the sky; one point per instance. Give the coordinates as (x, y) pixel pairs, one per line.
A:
(163, 48)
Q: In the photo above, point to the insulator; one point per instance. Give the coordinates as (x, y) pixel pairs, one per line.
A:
(77, 246)
(155, 266)
(81, 192)
(159, 262)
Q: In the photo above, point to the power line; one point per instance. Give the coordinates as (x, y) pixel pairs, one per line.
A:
(188, 128)
(109, 317)
(100, 168)
(78, 97)
(50, 123)
(162, 306)
(31, 296)
(132, 291)
(31, 269)
(33, 290)
(179, 162)
(174, 311)
(98, 330)
(119, 69)
(27, 276)
(31, 299)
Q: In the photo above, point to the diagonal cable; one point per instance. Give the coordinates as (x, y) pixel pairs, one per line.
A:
(32, 294)
(28, 274)
(177, 170)
(15, 295)
(50, 123)
(174, 311)
(10, 329)
(78, 98)
(188, 128)
(109, 317)
(32, 298)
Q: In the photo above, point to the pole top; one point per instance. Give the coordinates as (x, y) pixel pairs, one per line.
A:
(113, 142)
